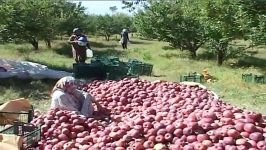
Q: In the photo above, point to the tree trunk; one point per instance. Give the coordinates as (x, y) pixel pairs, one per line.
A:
(48, 43)
(108, 37)
(193, 53)
(34, 43)
(222, 48)
(220, 57)
(131, 34)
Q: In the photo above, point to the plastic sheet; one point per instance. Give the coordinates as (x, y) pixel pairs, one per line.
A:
(26, 69)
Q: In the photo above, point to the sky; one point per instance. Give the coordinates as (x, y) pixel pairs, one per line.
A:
(101, 7)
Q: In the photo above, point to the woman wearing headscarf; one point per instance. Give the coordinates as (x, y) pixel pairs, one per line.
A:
(124, 38)
(66, 96)
(79, 44)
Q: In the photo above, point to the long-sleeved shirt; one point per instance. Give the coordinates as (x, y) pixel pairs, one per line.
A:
(66, 101)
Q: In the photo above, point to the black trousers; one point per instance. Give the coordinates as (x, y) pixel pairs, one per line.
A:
(124, 45)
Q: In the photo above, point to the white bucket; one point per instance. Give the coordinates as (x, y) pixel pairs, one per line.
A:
(89, 53)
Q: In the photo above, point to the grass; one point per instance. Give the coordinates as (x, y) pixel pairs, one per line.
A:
(169, 63)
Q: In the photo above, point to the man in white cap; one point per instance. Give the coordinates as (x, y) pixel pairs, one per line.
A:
(79, 44)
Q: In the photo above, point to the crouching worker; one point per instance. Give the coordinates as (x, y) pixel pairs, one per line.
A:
(66, 96)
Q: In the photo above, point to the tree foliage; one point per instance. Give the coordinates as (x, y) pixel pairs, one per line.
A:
(71, 15)
(34, 20)
(252, 19)
(220, 21)
(108, 25)
(172, 22)
(113, 9)
(188, 24)
(132, 5)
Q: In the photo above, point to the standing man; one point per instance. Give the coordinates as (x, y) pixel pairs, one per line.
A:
(124, 38)
(79, 44)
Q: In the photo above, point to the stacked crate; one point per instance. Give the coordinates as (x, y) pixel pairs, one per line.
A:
(116, 72)
(24, 117)
(247, 77)
(18, 123)
(31, 134)
(254, 78)
(260, 79)
(139, 68)
(110, 67)
(115, 69)
(87, 71)
(192, 77)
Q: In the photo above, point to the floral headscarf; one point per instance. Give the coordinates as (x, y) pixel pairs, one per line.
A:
(61, 85)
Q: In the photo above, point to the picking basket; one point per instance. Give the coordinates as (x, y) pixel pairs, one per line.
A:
(30, 133)
(24, 117)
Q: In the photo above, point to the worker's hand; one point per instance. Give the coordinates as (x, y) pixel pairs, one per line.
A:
(105, 111)
(86, 94)
(74, 42)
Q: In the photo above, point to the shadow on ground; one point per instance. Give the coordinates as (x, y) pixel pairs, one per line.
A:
(153, 75)
(206, 55)
(51, 66)
(100, 45)
(249, 61)
(252, 53)
(176, 55)
(64, 49)
(138, 42)
(170, 55)
(109, 52)
(168, 48)
(29, 88)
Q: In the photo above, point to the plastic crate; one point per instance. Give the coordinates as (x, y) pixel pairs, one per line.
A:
(24, 117)
(31, 134)
(106, 60)
(254, 78)
(135, 69)
(117, 72)
(86, 71)
(147, 69)
(134, 61)
(113, 58)
(139, 68)
(192, 77)
(247, 77)
(115, 69)
(260, 79)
